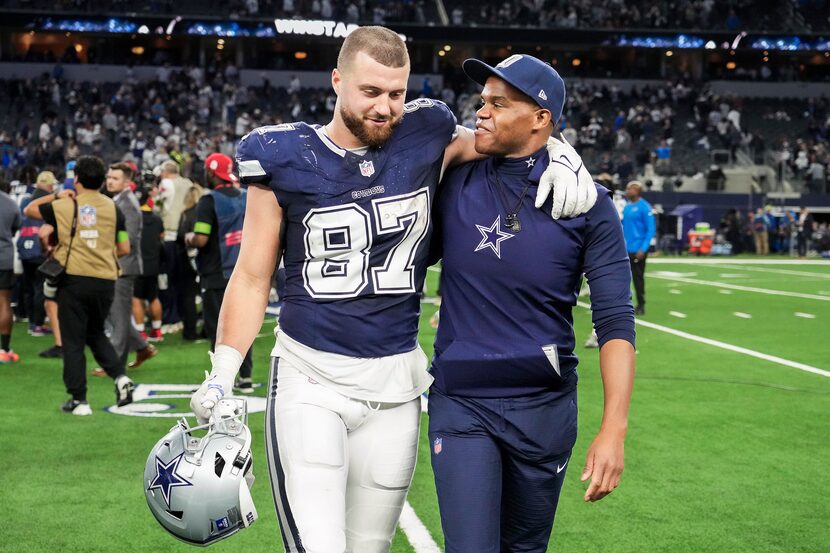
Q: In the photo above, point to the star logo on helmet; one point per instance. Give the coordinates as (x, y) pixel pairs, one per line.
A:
(166, 478)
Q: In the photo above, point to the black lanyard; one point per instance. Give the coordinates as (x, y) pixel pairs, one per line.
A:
(511, 220)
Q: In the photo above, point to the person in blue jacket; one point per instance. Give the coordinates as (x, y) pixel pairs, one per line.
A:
(503, 409)
(638, 227)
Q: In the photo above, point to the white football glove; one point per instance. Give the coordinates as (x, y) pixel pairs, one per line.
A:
(218, 384)
(574, 192)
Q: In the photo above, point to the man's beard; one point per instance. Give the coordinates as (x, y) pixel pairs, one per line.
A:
(370, 136)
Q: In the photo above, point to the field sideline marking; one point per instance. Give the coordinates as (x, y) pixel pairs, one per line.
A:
(677, 314)
(742, 288)
(703, 261)
(729, 347)
(416, 533)
(742, 315)
(804, 315)
(419, 537)
(775, 271)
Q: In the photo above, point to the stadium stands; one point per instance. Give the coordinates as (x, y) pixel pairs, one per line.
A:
(616, 131)
(736, 15)
(341, 10)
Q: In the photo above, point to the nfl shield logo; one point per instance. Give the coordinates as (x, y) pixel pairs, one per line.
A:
(87, 215)
(367, 168)
(437, 445)
(222, 524)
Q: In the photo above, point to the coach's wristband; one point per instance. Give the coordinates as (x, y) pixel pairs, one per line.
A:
(226, 361)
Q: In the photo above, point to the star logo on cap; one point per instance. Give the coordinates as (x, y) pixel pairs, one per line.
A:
(492, 237)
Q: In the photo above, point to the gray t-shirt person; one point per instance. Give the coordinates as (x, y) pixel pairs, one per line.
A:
(9, 224)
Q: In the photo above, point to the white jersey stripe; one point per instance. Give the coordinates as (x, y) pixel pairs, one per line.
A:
(250, 168)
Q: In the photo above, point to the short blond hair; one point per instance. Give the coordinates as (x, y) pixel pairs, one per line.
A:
(191, 197)
(381, 44)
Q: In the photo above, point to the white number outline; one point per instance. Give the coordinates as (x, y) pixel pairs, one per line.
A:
(361, 254)
(412, 235)
(417, 104)
(408, 230)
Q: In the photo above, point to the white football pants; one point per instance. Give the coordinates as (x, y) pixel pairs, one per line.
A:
(340, 468)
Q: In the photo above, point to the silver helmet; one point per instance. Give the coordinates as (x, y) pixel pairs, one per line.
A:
(199, 488)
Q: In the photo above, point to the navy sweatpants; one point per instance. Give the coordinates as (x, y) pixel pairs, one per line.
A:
(499, 465)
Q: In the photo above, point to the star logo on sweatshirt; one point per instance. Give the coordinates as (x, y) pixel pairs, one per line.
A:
(492, 237)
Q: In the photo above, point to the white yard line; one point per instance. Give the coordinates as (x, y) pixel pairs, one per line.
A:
(674, 291)
(742, 288)
(775, 271)
(726, 292)
(804, 315)
(417, 534)
(715, 261)
(728, 347)
(742, 315)
(677, 314)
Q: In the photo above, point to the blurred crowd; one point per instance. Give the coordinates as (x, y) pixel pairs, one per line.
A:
(350, 11)
(735, 15)
(185, 114)
(769, 230)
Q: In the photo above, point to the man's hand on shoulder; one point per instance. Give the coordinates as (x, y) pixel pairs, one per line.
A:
(574, 191)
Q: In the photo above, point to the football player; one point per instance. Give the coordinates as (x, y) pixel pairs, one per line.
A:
(347, 205)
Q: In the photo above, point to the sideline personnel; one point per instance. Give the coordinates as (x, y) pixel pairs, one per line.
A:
(125, 337)
(638, 226)
(218, 235)
(502, 409)
(95, 228)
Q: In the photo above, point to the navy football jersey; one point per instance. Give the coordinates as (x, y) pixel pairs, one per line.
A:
(357, 228)
(506, 325)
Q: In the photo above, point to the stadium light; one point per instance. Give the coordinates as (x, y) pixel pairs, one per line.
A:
(576, 62)
(447, 47)
(731, 65)
(669, 53)
(300, 55)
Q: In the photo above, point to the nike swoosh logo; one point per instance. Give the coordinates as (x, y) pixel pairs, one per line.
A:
(561, 468)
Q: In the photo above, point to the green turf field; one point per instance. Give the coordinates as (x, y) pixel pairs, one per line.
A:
(726, 449)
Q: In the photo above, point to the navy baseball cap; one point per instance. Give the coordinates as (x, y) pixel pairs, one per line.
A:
(530, 75)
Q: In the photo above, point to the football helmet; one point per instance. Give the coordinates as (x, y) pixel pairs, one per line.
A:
(199, 488)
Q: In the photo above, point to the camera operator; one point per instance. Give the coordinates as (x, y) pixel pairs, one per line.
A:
(91, 234)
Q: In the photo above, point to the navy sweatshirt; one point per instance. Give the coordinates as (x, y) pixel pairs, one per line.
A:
(506, 317)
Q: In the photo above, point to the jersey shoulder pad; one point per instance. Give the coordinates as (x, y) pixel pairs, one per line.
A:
(427, 109)
(265, 149)
(428, 120)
